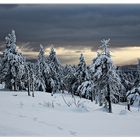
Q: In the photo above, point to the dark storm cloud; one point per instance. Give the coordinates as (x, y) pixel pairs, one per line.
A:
(8, 6)
(72, 25)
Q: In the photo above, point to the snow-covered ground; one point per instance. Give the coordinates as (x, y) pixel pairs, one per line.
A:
(46, 115)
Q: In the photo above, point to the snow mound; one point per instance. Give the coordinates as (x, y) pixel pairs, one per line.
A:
(123, 112)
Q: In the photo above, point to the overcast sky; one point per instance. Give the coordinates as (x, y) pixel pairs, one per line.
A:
(74, 29)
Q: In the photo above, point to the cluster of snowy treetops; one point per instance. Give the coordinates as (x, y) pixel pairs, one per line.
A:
(99, 81)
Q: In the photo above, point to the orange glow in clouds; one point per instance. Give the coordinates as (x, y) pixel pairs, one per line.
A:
(120, 56)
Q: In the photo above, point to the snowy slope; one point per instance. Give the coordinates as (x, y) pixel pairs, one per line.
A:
(45, 115)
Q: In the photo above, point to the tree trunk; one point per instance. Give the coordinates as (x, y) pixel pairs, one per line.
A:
(92, 97)
(108, 99)
(96, 100)
(128, 107)
(100, 99)
(139, 106)
(52, 94)
(128, 104)
(105, 106)
(29, 85)
(29, 89)
(100, 103)
(33, 95)
(15, 85)
(94, 94)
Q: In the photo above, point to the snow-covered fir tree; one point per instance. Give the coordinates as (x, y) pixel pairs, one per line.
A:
(32, 79)
(134, 96)
(129, 78)
(13, 65)
(28, 77)
(81, 74)
(69, 77)
(56, 72)
(105, 76)
(84, 83)
(42, 71)
(86, 89)
(82, 69)
(54, 61)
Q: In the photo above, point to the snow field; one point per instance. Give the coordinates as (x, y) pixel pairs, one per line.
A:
(46, 115)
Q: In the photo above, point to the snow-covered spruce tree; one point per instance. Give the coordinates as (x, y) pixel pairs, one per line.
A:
(85, 85)
(128, 78)
(32, 75)
(86, 89)
(82, 69)
(69, 77)
(54, 61)
(56, 72)
(105, 76)
(13, 65)
(42, 71)
(64, 84)
(30, 78)
(134, 96)
(82, 76)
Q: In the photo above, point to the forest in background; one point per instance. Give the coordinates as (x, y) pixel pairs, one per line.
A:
(101, 81)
